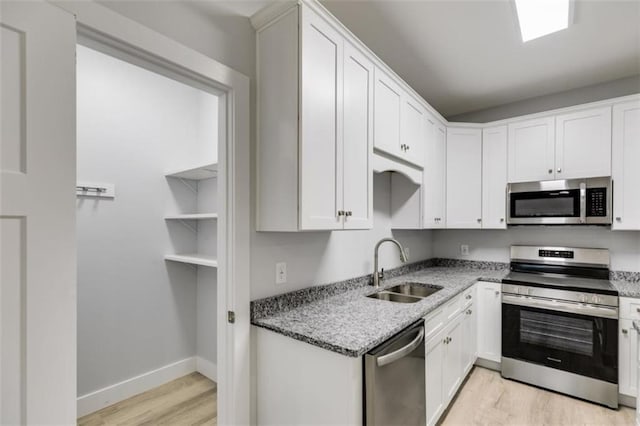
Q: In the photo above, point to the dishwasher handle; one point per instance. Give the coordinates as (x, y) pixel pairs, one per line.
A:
(402, 352)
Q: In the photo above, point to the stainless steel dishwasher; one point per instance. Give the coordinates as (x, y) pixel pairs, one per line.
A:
(395, 381)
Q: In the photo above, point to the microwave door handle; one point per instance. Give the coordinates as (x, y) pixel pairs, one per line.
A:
(583, 202)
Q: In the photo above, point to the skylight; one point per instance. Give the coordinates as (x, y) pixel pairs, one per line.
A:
(542, 17)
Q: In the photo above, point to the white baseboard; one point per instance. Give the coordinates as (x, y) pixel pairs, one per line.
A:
(207, 368)
(110, 395)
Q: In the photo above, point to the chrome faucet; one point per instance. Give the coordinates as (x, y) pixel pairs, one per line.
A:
(377, 276)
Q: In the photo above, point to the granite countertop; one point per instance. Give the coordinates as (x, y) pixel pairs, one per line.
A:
(351, 324)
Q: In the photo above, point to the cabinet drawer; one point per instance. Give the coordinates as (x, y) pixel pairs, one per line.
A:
(630, 308)
(453, 307)
(433, 323)
(468, 295)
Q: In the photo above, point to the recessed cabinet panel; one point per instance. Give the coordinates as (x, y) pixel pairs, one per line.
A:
(626, 168)
(583, 144)
(628, 355)
(494, 177)
(434, 174)
(358, 139)
(452, 376)
(321, 112)
(464, 178)
(532, 150)
(388, 103)
(434, 370)
(489, 307)
(413, 131)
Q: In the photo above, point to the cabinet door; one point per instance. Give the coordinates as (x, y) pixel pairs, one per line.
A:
(464, 178)
(489, 307)
(628, 353)
(626, 173)
(434, 175)
(583, 144)
(358, 139)
(388, 104)
(494, 177)
(413, 131)
(532, 150)
(434, 367)
(320, 124)
(469, 345)
(452, 374)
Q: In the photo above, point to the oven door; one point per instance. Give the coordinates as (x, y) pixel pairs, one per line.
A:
(576, 342)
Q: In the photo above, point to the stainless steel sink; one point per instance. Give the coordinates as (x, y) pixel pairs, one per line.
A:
(414, 289)
(394, 297)
(406, 293)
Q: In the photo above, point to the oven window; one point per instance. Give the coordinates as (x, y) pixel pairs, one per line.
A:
(557, 332)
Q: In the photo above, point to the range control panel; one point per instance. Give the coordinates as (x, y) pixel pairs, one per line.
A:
(563, 254)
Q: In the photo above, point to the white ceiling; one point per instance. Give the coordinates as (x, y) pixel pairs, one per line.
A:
(468, 55)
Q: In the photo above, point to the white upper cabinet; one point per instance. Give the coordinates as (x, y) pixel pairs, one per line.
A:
(358, 139)
(494, 177)
(413, 130)
(532, 150)
(626, 170)
(315, 127)
(387, 113)
(434, 175)
(583, 144)
(464, 178)
(320, 124)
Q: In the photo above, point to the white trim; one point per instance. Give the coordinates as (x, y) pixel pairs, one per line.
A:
(233, 340)
(207, 368)
(113, 394)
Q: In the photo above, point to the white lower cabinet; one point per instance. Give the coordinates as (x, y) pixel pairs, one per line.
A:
(449, 354)
(628, 347)
(489, 306)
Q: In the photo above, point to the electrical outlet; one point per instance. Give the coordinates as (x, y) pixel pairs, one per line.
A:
(464, 250)
(281, 272)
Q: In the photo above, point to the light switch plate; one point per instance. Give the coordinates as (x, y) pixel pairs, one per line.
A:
(464, 250)
(281, 273)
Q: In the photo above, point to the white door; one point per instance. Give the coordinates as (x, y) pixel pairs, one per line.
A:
(489, 320)
(583, 144)
(434, 358)
(37, 215)
(320, 124)
(532, 150)
(494, 177)
(469, 343)
(388, 104)
(628, 355)
(434, 185)
(464, 178)
(626, 173)
(358, 139)
(413, 131)
(452, 375)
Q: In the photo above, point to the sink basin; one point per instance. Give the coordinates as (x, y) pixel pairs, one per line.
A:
(413, 289)
(394, 297)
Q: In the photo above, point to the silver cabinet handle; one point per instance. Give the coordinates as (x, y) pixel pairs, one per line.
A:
(407, 147)
(619, 219)
(497, 293)
(559, 170)
(637, 309)
(624, 331)
(468, 296)
(550, 171)
(340, 212)
(501, 219)
(348, 213)
(469, 311)
(479, 220)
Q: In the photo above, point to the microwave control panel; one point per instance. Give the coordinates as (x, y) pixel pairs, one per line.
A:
(596, 202)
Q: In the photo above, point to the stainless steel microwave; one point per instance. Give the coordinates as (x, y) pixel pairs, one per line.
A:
(560, 202)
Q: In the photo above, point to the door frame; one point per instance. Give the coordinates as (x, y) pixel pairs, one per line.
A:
(141, 45)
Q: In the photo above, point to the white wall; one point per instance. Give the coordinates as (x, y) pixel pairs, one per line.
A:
(493, 245)
(136, 312)
(322, 257)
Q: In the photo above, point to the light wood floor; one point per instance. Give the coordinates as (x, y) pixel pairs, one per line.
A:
(189, 400)
(488, 399)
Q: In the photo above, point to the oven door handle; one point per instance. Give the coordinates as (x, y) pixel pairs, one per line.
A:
(561, 306)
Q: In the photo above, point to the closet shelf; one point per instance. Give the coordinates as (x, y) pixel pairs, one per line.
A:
(192, 216)
(193, 259)
(206, 171)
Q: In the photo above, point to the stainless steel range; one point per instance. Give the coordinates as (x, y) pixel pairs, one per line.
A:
(560, 322)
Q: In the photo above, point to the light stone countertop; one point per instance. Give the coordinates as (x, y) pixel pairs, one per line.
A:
(351, 324)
